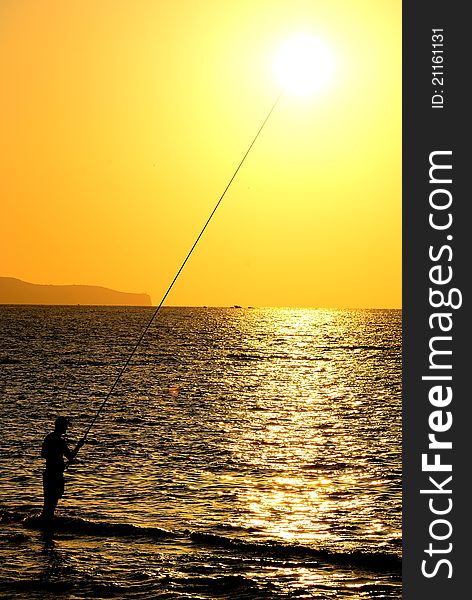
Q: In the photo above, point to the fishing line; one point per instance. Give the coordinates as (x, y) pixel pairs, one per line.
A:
(141, 337)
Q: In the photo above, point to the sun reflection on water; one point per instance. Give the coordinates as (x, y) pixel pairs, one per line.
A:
(312, 429)
(286, 428)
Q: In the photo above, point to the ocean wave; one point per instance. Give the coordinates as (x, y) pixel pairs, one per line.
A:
(130, 420)
(245, 357)
(77, 362)
(326, 467)
(363, 347)
(276, 356)
(364, 560)
(291, 357)
(370, 561)
(83, 526)
(104, 528)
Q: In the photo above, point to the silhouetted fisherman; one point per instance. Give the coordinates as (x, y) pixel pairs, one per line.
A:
(54, 450)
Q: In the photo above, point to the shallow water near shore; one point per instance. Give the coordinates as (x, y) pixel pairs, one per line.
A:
(246, 453)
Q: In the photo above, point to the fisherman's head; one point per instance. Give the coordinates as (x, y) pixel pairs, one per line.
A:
(61, 424)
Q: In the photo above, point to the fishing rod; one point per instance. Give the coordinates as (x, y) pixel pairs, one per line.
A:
(154, 315)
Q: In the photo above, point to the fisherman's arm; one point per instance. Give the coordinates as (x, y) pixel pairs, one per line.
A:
(79, 445)
(71, 455)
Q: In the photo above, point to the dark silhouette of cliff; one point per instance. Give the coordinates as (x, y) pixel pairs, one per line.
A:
(15, 291)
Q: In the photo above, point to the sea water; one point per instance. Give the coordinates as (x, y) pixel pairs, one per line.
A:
(245, 453)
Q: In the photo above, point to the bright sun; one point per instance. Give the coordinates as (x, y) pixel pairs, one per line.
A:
(303, 65)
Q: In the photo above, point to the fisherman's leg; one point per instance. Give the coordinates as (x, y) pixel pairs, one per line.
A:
(53, 486)
(47, 514)
(48, 508)
(50, 502)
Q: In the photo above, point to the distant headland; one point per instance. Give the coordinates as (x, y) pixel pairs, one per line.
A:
(15, 291)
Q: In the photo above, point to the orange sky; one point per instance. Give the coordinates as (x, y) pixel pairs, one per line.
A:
(123, 120)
